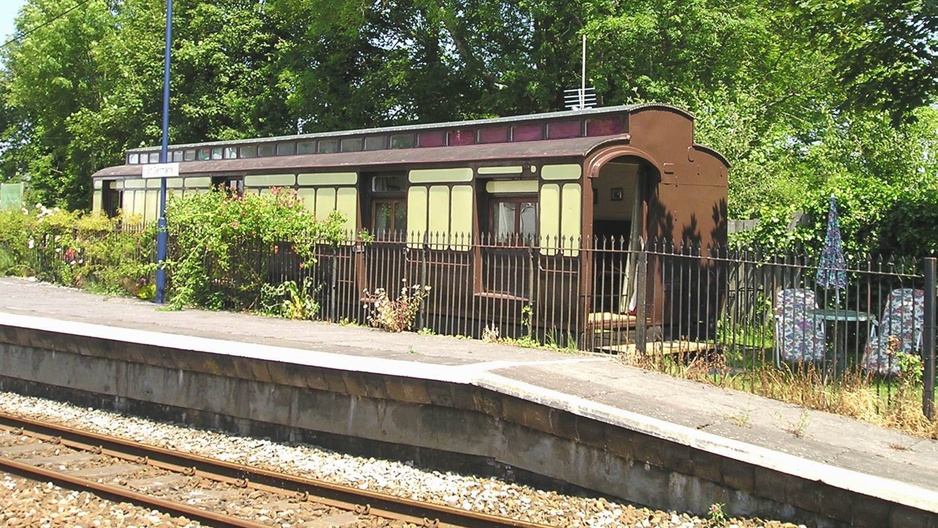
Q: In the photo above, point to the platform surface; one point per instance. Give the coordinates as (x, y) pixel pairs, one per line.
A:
(842, 452)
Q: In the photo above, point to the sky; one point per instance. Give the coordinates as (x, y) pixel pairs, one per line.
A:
(8, 11)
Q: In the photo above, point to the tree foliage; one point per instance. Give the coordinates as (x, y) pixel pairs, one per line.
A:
(885, 51)
(802, 97)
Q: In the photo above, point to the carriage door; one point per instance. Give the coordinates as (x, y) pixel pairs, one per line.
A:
(508, 226)
(618, 207)
(384, 215)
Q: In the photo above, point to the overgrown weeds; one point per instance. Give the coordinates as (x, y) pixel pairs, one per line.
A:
(888, 402)
(289, 300)
(400, 314)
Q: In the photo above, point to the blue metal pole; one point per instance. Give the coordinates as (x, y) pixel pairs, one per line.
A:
(161, 234)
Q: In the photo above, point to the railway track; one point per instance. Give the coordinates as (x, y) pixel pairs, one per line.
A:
(210, 491)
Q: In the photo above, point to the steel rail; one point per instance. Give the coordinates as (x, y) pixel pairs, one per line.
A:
(124, 494)
(331, 494)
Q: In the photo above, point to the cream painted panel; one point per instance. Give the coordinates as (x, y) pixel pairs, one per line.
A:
(135, 184)
(127, 202)
(328, 178)
(174, 183)
(461, 217)
(325, 202)
(98, 184)
(140, 203)
(96, 201)
(440, 175)
(517, 186)
(568, 171)
(549, 215)
(270, 180)
(570, 218)
(151, 208)
(416, 214)
(346, 202)
(116, 184)
(153, 183)
(202, 182)
(514, 169)
(438, 213)
(309, 199)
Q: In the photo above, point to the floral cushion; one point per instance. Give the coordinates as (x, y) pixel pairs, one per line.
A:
(898, 332)
(798, 335)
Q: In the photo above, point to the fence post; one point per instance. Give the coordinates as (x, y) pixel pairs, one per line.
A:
(641, 308)
(422, 281)
(928, 340)
(333, 285)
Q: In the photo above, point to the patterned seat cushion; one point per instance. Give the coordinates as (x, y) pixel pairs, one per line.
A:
(898, 332)
(798, 335)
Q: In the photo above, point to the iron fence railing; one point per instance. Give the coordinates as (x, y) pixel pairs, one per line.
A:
(731, 314)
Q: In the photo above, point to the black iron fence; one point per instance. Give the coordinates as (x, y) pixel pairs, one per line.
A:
(738, 317)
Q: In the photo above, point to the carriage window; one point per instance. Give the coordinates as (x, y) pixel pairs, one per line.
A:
(514, 220)
(390, 183)
(154, 157)
(432, 139)
(351, 145)
(216, 153)
(462, 137)
(328, 146)
(375, 142)
(389, 203)
(286, 148)
(533, 132)
(493, 135)
(265, 150)
(189, 155)
(204, 154)
(403, 141)
(133, 159)
(231, 152)
(306, 147)
(390, 216)
(177, 155)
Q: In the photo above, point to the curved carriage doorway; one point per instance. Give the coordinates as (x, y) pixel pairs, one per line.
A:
(621, 193)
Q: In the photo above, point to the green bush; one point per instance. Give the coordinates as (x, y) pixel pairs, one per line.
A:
(910, 226)
(69, 248)
(222, 244)
(866, 207)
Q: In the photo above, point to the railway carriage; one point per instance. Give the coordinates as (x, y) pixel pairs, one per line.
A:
(541, 214)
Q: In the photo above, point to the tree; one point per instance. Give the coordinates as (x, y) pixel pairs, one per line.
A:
(885, 50)
(52, 77)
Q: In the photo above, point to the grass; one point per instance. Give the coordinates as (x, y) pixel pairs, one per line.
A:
(888, 402)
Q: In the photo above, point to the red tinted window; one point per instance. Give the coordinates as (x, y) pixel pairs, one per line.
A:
(432, 139)
(604, 127)
(493, 135)
(565, 129)
(462, 137)
(527, 133)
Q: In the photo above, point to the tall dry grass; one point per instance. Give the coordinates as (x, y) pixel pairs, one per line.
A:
(895, 403)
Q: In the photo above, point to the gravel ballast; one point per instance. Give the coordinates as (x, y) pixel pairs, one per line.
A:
(42, 504)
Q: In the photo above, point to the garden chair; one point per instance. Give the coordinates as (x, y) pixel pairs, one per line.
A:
(798, 335)
(899, 331)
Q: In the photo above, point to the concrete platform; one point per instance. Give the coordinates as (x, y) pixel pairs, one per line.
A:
(691, 444)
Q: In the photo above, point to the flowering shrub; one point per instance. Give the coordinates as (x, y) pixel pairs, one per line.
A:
(399, 314)
(70, 248)
(224, 244)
